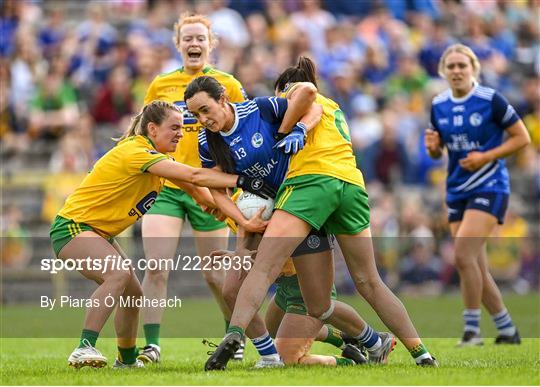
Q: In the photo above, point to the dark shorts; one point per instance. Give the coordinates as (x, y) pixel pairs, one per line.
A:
(493, 203)
(315, 242)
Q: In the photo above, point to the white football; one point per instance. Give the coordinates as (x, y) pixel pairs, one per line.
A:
(249, 204)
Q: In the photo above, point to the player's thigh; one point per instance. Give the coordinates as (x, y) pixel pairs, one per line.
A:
(359, 255)
(98, 255)
(315, 276)
(161, 234)
(473, 231)
(208, 241)
(295, 336)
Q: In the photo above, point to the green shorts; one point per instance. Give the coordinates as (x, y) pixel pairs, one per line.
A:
(63, 230)
(289, 298)
(324, 201)
(175, 202)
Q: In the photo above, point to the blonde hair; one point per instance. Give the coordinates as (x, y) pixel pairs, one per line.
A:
(462, 49)
(155, 111)
(188, 18)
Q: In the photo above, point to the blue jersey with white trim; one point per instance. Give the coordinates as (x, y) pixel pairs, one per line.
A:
(475, 122)
(251, 140)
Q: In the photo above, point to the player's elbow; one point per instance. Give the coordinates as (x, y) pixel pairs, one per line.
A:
(525, 140)
(307, 92)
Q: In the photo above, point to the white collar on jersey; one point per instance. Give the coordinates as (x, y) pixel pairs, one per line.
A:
(235, 125)
(466, 97)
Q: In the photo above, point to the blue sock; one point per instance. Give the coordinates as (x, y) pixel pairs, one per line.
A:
(265, 345)
(369, 338)
(471, 317)
(504, 323)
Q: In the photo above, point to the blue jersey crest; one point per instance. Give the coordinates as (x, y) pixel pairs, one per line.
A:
(475, 122)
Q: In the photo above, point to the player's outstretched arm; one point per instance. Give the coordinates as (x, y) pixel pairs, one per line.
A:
(180, 173)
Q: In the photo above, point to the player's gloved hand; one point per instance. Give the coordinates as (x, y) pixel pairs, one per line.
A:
(294, 141)
(256, 186)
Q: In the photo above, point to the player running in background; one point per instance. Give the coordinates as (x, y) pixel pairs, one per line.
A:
(470, 120)
(163, 223)
(121, 187)
(323, 188)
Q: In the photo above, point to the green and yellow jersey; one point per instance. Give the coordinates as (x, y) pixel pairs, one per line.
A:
(170, 87)
(328, 148)
(118, 190)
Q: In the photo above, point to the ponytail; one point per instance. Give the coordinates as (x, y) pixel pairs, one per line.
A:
(155, 111)
(304, 71)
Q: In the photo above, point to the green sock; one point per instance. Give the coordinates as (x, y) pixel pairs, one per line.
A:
(418, 351)
(127, 355)
(88, 336)
(227, 323)
(151, 332)
(341, 361)
(233, 328)
(334, 337)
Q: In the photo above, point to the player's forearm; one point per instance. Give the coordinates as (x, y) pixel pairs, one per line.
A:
(299, 105)
(312, 118)
(213, 179)
(227, 206)
(518, 139)
(181, 174)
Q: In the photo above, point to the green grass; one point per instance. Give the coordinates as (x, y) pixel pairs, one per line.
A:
(33, 361)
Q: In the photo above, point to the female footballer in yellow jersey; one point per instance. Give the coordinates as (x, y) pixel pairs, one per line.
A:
(323, 189)
(120, 188)
(194, 40)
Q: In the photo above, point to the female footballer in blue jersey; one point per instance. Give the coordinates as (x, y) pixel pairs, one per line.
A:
(470, 121)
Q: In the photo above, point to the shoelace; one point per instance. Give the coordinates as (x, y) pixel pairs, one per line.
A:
(89, 347)
(211, 345)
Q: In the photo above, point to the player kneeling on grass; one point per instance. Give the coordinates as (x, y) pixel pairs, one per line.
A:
(121, 187)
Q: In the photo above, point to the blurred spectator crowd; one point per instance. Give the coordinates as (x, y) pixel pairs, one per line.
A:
(73, 73)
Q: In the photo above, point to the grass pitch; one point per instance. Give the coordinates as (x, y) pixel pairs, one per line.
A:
(43, 361)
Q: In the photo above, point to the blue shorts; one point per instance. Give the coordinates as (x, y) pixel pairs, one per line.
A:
(493, 203)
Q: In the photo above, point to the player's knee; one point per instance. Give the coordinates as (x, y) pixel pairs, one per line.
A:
(157, 277)
(119, 278)
(290, 354)
(322, 311)
(135, 288)
(462, 261)
(366, 285)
